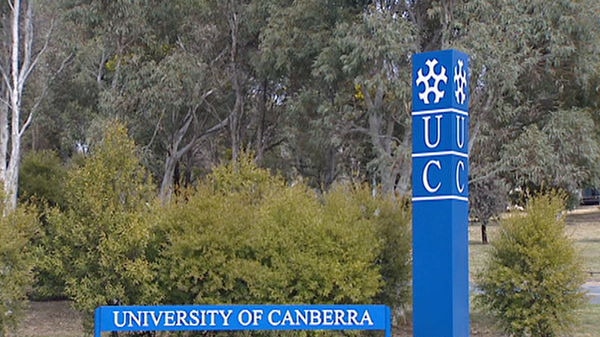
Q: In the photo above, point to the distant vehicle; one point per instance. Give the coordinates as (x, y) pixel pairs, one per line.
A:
(589, 196)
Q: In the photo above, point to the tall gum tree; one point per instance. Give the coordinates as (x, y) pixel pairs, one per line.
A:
(18, 63)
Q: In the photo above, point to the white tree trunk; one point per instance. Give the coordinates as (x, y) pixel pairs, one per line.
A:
(12, 126)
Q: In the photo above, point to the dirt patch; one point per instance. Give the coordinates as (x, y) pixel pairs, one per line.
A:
(51, 319)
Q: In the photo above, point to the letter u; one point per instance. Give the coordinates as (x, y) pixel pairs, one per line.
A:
(439, 131)
(116, 319)
(460, 131)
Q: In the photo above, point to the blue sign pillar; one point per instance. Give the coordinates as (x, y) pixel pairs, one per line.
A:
(440, 155)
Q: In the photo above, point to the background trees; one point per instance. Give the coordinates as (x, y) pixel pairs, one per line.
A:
(321, 89)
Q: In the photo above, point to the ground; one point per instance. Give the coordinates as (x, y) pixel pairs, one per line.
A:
(59, 319)
(51, 319)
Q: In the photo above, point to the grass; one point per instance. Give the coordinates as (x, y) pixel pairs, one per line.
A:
(589, 321)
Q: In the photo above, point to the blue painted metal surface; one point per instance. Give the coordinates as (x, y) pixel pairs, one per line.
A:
(242, 317)
(440, 194)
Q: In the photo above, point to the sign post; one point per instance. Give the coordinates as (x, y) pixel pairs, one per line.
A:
(440, 155)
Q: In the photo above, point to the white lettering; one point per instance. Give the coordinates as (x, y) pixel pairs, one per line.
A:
(211, 314)
(169, 318)
(245, 321)
(194, 319)
(327, 317)
(225, 315)
(339, 317)
(315, 317)
(301, 317)
(156, 320)
(246, 317)
(257, 316)
(116, 320)
(439, 131)
(460, 166)
(366, 318)
(288, 319)
(460, 132)
(426, 176)
(145, 324)
(352, 315)
(271, 319)
(181, 318)
(133, 318)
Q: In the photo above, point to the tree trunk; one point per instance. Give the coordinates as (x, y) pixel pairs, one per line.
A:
(260, 123)
(166, 186)
(238, 107)
(174, 154)
(18, 72)
(484, 237)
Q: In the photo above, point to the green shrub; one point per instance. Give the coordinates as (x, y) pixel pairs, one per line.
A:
(42, 182)
(42, 178)
(17, 260)
(101, 244)
(243, 236)
(532, 279)
(391, 219)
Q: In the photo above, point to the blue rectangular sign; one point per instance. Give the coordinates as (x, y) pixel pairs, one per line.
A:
(440, 184)
(242, 317)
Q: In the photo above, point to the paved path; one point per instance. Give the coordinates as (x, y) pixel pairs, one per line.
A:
(593, 291)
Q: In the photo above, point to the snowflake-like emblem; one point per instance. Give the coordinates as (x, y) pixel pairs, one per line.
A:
(460, 79)
(431, 81)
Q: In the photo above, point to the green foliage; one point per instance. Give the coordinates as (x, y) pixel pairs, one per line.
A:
(531, 282)
(243, 236)
(17, 260)
(100, 245)
(42, 178)
(391, 219)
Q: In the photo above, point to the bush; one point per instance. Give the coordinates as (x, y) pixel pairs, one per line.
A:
(101, 244)
(532, 280)
(41, 178)
(391, 219)
(243, 236)
(17, 260)
(42, 182)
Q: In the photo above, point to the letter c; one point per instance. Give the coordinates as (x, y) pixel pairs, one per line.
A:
(426, 176)
(460, 166)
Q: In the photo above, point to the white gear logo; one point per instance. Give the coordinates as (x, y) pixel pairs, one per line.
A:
(441, 77)
(460, 78)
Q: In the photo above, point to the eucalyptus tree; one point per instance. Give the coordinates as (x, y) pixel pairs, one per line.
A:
(297, 34)
(375, 89)
(532, 67)
(25, 40)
